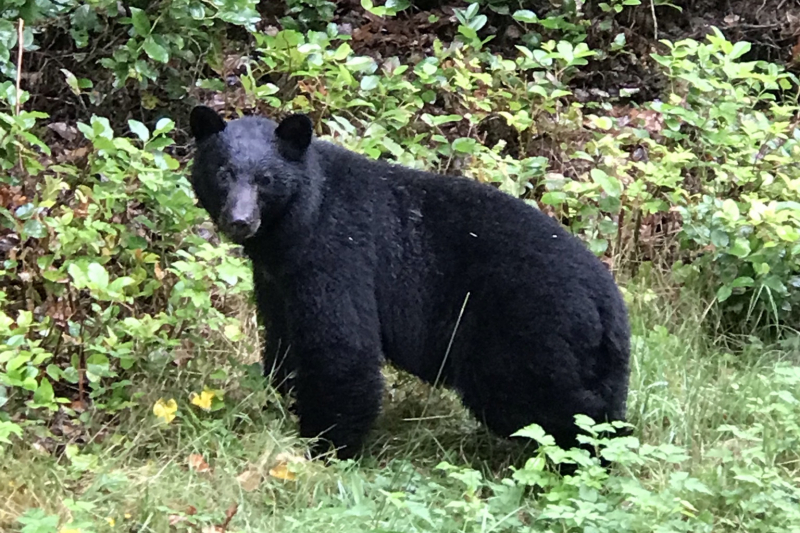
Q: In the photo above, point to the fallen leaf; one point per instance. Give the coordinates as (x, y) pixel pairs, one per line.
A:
(203, 400)
(249, 480)
(281, 471)
(183, 353)
(64, 130)
(174, 519)
(196, 462)
(229, 514)
(165, 410)
(78, 406)
(731, 19)
(158, 272)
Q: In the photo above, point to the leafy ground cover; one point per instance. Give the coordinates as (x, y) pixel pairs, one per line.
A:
(130, 392)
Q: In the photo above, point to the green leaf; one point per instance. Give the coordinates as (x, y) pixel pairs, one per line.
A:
(141, 22)
(724, 293)
(369, 82)
(164, 125)
(24, 319)
(120, 283)
(554, 198)
(155, 50)
(731, 209)
(78, 274)
(524, 15)
(465, 145)
(97, 366)
(566, 50)
(342, 52)
(360, 64)
(610, 185)
(604, 123)
(44, 392)
(197, 11)
(97, 275)
(72, 81)
(139, 129)
(478, 22)
(740, 248)
(719, 238)
(36, 520)
(6, 429)
(739, 49)
(535, 432)
(233, 332)
(598, 246)
(34, 228)
(18, 361)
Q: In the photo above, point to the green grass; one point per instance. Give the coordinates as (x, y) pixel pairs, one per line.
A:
(684, 388)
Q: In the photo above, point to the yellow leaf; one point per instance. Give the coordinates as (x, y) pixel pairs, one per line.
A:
(165, 410)
(281, 471)
(203, 400)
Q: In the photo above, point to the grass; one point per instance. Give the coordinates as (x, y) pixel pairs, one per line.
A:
(684, 388)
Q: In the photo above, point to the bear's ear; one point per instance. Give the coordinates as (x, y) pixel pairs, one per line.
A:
(294, 135)
(205, 122)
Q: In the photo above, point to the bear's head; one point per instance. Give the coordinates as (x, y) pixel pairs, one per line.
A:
(247, 171)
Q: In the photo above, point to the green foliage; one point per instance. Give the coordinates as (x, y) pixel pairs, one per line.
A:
(114, 276)
(739, 143)
(146, 41)
(308, 14)
(722, 129)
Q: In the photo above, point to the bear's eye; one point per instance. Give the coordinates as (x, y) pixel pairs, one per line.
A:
(262, 178)
(227, 176)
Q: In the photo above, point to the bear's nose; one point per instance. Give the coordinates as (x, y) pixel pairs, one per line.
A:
(240, 225)
(242, 228)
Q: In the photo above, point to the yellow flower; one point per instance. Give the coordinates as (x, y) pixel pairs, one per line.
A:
(111, 521)
(203, 400)
(69, 530)
(165, 410)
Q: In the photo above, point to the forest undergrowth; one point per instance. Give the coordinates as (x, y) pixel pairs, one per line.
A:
(131, 396)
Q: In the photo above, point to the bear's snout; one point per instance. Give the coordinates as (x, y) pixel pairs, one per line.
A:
(241, 218)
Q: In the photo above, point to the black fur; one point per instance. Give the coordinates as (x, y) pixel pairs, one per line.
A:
(355, 260)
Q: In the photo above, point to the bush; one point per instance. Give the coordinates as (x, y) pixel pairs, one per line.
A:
(115, 271)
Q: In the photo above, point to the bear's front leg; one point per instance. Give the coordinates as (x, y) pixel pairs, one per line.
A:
(339, 389)
(278, 364)
(336, 345)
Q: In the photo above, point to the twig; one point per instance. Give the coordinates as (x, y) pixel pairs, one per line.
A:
(20, 42)
(655, 21)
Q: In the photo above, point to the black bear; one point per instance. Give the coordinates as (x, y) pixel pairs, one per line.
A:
(452, 280)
